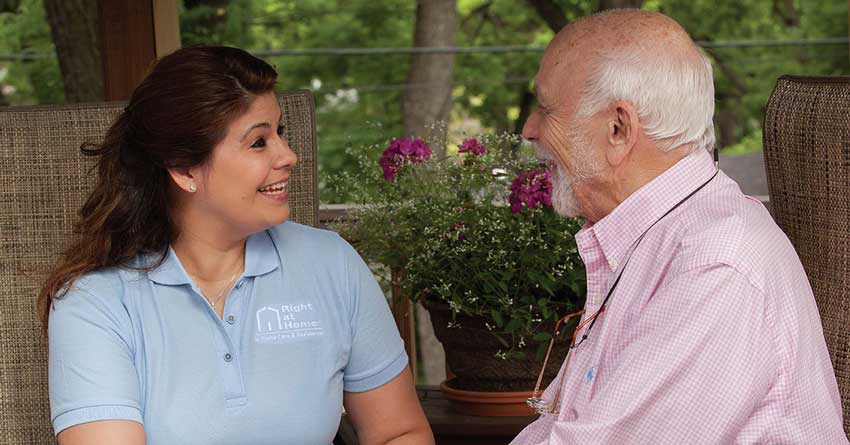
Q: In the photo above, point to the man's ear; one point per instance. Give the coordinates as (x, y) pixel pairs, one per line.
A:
(184, 178)
(622, 132)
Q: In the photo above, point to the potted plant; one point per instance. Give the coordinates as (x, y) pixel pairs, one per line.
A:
(474, 238)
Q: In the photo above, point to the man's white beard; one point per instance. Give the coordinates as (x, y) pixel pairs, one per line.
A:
(564, 199)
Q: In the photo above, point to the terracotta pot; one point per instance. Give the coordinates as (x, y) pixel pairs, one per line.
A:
(471, 355)
(487, 403)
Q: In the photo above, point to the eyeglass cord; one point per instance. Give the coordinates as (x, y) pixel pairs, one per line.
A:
(636, 244)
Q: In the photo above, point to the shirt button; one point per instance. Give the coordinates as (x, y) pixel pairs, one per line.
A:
(231, 319)
(228, 357)
(239, 284)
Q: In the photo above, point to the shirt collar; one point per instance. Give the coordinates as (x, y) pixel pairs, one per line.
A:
(260, 258)
(618, 231)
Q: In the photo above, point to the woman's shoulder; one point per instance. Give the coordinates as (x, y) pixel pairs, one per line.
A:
(91, 296)
(292, 236)
(104, 287)
(107, 280)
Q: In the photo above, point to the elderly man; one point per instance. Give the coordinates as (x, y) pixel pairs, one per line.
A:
(702, 326)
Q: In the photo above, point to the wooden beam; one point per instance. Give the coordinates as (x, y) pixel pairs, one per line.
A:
(166, 26)
(127, 45)
(133, 34)
(402, 310)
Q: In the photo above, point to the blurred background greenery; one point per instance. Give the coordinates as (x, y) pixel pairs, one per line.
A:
(359, 96)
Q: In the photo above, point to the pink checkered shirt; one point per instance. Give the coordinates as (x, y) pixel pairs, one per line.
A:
(711, 336)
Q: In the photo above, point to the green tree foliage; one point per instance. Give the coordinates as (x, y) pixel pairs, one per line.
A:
(24, 32)
(744, 77)
(359, 97)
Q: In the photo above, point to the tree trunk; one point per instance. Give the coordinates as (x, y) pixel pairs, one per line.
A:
(425, 109)
(428, 94)
(526, 102)
(727, 121)
(74, 28)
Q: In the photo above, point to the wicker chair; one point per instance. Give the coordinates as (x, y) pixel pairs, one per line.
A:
(807, 158)
(44, 181)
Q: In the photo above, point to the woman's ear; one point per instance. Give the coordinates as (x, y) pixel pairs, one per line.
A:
(184, 178)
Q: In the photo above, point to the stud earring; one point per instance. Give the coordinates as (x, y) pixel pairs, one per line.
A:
(193, 188)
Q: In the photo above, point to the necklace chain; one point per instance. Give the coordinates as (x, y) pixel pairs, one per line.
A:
(223, 291)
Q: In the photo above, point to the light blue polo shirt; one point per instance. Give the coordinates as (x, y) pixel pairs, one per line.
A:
(305, 322)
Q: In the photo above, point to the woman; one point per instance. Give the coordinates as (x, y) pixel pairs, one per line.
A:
(188, 311)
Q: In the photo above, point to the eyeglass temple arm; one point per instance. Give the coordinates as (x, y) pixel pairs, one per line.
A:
(549, 349)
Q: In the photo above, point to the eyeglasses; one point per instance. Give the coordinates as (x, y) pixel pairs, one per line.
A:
(536, 402)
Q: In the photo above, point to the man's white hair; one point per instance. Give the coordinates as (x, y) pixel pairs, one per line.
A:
(673, 96)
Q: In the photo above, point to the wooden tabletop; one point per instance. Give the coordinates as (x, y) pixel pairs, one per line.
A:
(445, 421)
(453, 428)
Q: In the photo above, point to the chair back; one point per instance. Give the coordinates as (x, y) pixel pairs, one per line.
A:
(44, 181)
(807, 159)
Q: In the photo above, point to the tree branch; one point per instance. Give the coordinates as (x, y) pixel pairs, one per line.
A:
(785, 10)
(737, 83)
(551, 13)
(618, 4)
(9, 5)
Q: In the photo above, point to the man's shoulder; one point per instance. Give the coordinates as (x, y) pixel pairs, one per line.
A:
(734, 230)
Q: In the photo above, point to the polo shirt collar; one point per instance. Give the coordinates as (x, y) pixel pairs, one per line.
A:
(260, 258)
(618, 231)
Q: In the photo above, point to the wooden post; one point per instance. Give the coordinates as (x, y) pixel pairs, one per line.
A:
(402, 310)
(133, 34)
(166, 26)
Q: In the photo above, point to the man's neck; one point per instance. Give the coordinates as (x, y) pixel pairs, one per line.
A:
(623, 182)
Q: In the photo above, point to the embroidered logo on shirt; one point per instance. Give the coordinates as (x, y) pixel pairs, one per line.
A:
(287, 322)
(591, 373)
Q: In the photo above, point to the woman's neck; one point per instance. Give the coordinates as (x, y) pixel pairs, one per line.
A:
(209, 260)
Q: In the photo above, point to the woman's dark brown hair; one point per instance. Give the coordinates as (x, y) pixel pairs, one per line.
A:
(174, 119)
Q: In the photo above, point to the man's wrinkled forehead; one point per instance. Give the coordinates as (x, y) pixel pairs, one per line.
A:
(561, 65)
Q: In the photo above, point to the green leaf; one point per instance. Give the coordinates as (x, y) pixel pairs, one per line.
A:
(513, 325)
(497, 317)
(541, 351)
(542, 336)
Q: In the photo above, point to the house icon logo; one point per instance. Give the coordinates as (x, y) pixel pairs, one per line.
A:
(268, 320)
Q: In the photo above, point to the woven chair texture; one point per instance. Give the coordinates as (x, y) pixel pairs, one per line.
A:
(807, 158)
(44, 181)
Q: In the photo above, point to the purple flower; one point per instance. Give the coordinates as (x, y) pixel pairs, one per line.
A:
(472, 146)
(530, 190)
(456, 232)
(400, 153)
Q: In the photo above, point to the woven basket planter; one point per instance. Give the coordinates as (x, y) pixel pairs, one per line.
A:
(471, 355)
